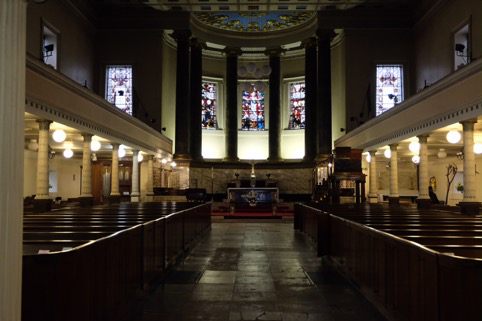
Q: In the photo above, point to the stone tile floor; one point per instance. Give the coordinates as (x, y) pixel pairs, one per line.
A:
(255, 271)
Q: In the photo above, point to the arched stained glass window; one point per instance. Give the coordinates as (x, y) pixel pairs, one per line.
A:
(253, 107)
(118, 86)
(209, 105)
(297, 105)
(389, 87)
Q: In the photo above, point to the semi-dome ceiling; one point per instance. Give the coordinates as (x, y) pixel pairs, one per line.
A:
(253, 22)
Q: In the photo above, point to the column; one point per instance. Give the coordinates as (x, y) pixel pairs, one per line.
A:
(394, 197)
(373, 192)
(274, 105)
(114, 174)
(310, 100)
(323, 119)
(135, 177)
(86, 198)
(12, 102)
(423, 199)
(232, 104)
(42, 188)
(469, 204)
(150, 177)
(196, 96)
(182, 95)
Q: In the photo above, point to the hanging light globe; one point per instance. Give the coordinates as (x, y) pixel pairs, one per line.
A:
(414, 147)
(442, 153)
(173, 164)
(140, 157)
(387, 153)
(453, 136)
(121, 152)
(368, 158)
(95, 145)
(478, 148)
(68, 153)
(59, 135)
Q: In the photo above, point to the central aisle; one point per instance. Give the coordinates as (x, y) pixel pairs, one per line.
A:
(255, 271)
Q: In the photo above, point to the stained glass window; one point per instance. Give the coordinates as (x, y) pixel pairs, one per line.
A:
(209, 105)
(297, 105)
(253, 108)
(389, 87)
(118, 86)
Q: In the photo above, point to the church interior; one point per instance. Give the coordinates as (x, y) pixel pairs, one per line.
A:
(240, 159)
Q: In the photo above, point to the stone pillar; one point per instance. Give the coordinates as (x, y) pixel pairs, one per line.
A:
(469, 204)
(196, 96)
(86, 197)
(323, 119)
(42, 200)
(150, 178)
(274, 106)
(182, 95)
(423, 199)
(114, 174)
(394, 197)
(135, 177)
(310, 100)
(373, 192)
(12, 102)
(232, 104)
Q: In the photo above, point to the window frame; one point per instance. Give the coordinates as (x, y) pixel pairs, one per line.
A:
(403, 78)
(105, 69)
(45, 24)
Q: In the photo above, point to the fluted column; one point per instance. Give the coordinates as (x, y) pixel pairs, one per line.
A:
(469, 204)
(423, 180)
(232, 104)
(42, 188)
(114, 186)
(86, 167)
(311, 137)
(274, 105)
(182, 95)
(196, 96)
(135, 177)
(373, 192)
(394, 196)
(12, 102)
(150, 176)
(323, 118)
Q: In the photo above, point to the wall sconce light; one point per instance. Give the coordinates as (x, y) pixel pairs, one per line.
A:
(59, 135)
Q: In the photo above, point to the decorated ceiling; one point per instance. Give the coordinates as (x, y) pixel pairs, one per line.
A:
(254, 21)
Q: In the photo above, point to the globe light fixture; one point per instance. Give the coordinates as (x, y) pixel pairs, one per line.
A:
(368, 158)
(140, 157)
(442, 153)
(121, 152)
(387, 153)
(453, 136)
(59, 135)
(478, 148)
(68, 153)
(163, 161)
(95, 145)
(173, 164)
(416, 159)
(414, 147)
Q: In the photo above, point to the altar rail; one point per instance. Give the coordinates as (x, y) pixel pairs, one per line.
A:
(406, 280)
(102, 279)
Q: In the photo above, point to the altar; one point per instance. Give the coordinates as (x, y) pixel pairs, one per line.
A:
(253, 199)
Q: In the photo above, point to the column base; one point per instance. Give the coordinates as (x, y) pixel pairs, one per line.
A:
(469, 208)
(372, 198)
(423, 202)
(182, 157)
(86, 201)
(135, 199)
(42, 205)
(393, 200)
(114, 199)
